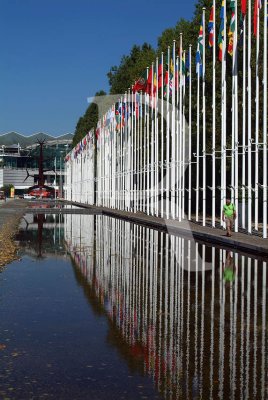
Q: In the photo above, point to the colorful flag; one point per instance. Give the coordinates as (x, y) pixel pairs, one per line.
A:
(155, 84)
(141, 83)
(149, 81)
(198, 61)
(187, 66)
(220, 38)
(201, 39)
(244, 7)
(257, 6)
(231, 34)
(211, 28)
(241, 30)
(160, 74)
(200, 49)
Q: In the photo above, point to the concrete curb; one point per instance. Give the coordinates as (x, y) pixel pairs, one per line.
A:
(241, 242)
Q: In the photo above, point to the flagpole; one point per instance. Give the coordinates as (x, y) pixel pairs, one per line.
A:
(183, 140)
(197, 142)
(249, 121)
(148, 148)
(152, 189)
(190, 137)
(256, 191)
(265, 123)
(204, 118)
(223, 116)
(162, 136)
(214, 118)
(180, 135)
(167, 143)
(173, 136)
(244, 106)
(156, 144)
(177, 169)
(235, 56)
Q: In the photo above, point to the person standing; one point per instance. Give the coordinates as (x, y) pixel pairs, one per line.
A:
(229, 215)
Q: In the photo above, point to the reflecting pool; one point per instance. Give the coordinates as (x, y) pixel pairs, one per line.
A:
(101, 307)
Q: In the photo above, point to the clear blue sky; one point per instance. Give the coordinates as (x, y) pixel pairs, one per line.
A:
(56, 53)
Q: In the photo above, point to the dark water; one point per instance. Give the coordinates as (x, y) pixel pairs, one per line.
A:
(99, 307)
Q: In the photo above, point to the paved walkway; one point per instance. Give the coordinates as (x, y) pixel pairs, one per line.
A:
(247, 244)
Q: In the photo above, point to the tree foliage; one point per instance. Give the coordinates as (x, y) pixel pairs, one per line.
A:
(88, 121)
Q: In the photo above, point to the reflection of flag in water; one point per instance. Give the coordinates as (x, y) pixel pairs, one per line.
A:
(211, 28)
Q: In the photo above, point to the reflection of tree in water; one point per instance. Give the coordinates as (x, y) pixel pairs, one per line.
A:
(133, 355)
(42, 236)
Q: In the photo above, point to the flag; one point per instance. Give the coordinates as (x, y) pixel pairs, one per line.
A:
(160, 74)
(166, 84)
(149, 82)
(187, 66)
(199, 52)
(155, 84)
(198, 61)
(222, 10)
(241, 30)
(211, 28)
(141, 83)
(231, 34)
(220, 38)
(201, 39)
(257, 6)
(244, 7)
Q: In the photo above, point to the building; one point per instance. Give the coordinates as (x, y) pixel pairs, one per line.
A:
(19, 157)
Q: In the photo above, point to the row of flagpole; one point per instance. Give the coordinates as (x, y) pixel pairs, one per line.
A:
(146, 159)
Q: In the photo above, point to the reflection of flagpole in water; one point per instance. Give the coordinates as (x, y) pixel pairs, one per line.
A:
(247, 364)
(212, 310)
(188, 318)
(202, 320)
(221, 327)
(196, 316)
(255, 341)
(264, 324)
(242, 326)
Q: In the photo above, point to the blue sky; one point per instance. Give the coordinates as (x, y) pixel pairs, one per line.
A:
(56, 53)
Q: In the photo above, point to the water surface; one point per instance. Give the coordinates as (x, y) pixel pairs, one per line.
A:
(100, 307)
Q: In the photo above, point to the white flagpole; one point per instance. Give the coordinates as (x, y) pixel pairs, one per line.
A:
(244, 106)
(249, 121)
(162, 136)
(156, 145)
(197, 141)
(180, 135)
(223, 114)
(177, 135)
(173, 135)
(147, 110)
(256, 191)
(236, 139)
(265, 123)
(204, 118)
(167, 143)
(214, 118)
(152, 189)
(190, 137)
(183, 138)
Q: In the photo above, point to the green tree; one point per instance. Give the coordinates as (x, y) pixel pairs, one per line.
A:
(88, 121)
(121, 78)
